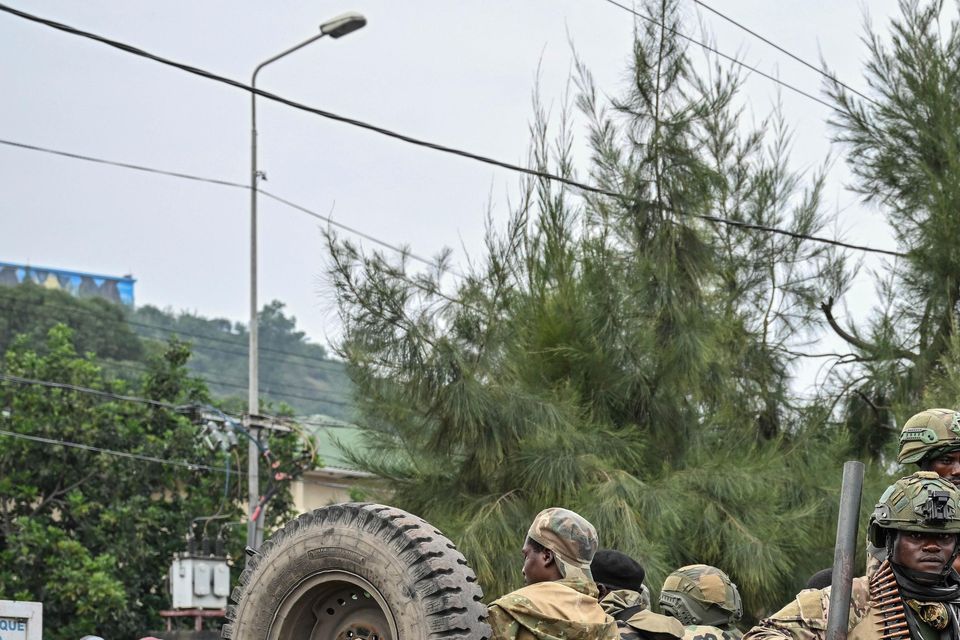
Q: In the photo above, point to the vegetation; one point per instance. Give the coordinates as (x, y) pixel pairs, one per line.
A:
(903, 148)
(623, 357)
(113, 523)
(294, 373)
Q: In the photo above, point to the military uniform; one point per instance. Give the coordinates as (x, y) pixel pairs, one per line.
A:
(880, 608)
(806, 617)
(707, 632)
(565, 609)
(634, 619)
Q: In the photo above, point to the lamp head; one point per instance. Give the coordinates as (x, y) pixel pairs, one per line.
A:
(343, 24)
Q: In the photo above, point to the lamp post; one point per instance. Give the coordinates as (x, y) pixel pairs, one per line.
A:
(335, 28)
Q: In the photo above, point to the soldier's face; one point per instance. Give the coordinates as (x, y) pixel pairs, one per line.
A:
(538, 566)
(946, 465)
(925, 552)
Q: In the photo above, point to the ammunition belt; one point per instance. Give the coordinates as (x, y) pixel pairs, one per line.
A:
(884, 592)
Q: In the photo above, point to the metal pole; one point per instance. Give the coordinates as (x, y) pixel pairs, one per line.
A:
(253, 390)
(255, 527)
(845, 551)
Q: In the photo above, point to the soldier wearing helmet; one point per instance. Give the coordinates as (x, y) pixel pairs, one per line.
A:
(915, 594)
(561, 598)
(931, 439)
(705, 600)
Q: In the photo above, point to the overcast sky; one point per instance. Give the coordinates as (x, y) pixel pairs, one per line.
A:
(459, 73)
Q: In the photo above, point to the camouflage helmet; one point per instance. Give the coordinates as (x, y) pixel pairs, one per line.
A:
(922, 502)
(928, 433)
(701, 595)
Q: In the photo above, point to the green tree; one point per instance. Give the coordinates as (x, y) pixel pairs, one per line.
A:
(625, 357)
(99, 326)
(293, 371)
(903, 147)
(91, 535)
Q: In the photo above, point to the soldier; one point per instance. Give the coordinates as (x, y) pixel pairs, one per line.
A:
(931, 440)
(705, 600)
(620, 582)
(560, 599)
(914, 595)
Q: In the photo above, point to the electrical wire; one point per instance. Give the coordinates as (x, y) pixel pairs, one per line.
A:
(10, 305)
(193, 466)
(225, 183)
(723, 55)
(797, 58)
(96, 392)
(451, 150)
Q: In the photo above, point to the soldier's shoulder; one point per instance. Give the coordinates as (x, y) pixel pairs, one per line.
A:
(654, 623)
(706, 632)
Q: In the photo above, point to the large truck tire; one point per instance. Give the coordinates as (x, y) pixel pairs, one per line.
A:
(357, 572)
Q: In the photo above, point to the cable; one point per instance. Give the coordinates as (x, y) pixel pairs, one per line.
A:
(193, 466)
(224, 183)
(826, 75)
(721, 54)
(178, 332)
(96, 392)
(451, 150)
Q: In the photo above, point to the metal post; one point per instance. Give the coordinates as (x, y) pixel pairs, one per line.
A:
(255, 527)
(845, 551)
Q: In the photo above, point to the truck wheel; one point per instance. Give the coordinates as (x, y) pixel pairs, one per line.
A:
(357, 572)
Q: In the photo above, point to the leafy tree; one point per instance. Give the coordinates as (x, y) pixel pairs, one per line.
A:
(904, 151)
(626, 357)
(99, 326)
(293, 371)
(91, 535)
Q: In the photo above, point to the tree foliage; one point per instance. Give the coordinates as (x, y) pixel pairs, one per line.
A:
(904, 151)
(624, 357)
(91, 535)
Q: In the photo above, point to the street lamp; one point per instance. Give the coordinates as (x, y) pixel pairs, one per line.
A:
(335, 28)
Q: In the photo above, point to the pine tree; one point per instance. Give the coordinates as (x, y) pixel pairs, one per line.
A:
(624, 357)
(903, 148)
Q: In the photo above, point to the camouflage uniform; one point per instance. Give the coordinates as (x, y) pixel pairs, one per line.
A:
(705, 600)
(642, 624)
(806, 617)
(876, 604)
(566, 609)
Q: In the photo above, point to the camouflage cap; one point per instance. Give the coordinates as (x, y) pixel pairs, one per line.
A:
(921, 502)
(701, 594)
(929, 432)
(570, 537)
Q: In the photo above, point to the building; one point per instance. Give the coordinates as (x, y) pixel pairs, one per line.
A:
(332, 481)
(113, 288)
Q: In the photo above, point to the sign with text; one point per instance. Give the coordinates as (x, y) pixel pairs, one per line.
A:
(21, 620)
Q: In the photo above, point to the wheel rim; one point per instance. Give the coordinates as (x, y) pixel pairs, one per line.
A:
(333, 605)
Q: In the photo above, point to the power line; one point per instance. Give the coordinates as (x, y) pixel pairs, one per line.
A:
(176, 333)
(826, 75)
(95, 392)
(451, 150)
(193, 466)
(239, 384)
(224, 183)
(723, 55)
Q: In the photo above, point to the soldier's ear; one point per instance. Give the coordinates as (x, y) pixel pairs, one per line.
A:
(548, 558)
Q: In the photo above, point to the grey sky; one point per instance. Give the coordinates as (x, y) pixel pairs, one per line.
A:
(458, 73)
